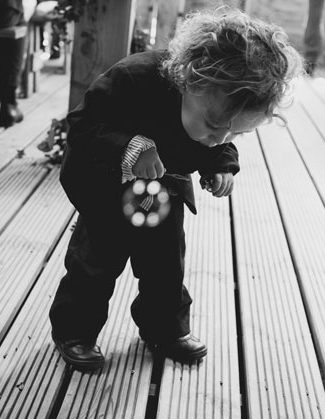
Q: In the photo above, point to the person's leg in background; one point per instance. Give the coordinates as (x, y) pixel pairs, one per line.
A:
(313, 37)
(11, 53)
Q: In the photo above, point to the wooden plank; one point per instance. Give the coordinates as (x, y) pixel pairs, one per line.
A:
(17, 183)
(21, 135)
(313, 105)
(209, 389)
(317, 85)
(31, 369)
(303, 214)
(310, 143)
(27, 242)
(102, 37)
(49, 85)
(120, 389)
(282, 373)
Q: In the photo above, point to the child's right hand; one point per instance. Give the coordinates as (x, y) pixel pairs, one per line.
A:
(149, 165)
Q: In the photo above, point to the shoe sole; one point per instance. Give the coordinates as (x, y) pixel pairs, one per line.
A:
(192, 357)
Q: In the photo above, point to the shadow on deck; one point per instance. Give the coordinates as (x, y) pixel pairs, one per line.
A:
(255, 267)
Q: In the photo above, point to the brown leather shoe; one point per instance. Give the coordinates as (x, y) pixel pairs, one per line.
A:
(82, 356)
(185, 349)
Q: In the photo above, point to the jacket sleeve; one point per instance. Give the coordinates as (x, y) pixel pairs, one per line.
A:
(98, 126)
(226, 161)
(97, 137)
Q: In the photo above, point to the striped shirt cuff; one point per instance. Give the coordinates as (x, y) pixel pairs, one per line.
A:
(137, 145)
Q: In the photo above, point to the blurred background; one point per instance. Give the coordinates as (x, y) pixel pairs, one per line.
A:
(292, 15)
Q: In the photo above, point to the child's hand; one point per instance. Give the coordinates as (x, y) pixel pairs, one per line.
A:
(149, 165)
(219, 184)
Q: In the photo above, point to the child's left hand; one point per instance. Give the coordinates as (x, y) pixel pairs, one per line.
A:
(219, 184)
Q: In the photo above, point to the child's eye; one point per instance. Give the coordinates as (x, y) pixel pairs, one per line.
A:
(242, 132)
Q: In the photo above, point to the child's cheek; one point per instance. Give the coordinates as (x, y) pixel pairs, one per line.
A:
(192, 126)
(186, 123)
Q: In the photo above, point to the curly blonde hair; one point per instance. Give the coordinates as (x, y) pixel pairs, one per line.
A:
(252, 61)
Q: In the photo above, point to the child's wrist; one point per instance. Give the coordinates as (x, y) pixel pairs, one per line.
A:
(135, 147)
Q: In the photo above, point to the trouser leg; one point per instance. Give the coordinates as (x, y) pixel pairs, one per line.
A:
(93, 263)
(10, 68)
(161, 309)
(12, 53)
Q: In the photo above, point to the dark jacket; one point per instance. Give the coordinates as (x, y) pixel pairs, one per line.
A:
(132, 98)
(14, 4)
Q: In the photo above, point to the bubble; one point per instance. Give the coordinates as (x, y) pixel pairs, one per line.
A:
(138, 219)
(153, 219)
(128, 209)
(153, 187)
(163, 197)
(139, 187)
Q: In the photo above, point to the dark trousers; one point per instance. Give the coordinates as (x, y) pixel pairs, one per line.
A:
(96, 256)
(11, 55)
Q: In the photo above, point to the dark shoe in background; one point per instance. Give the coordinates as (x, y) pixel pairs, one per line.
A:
(81, 355)
(10, 114)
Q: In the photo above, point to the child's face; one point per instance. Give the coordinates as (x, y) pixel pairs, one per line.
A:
(204, 120)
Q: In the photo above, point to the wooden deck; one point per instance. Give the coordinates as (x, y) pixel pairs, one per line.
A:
(255, 267)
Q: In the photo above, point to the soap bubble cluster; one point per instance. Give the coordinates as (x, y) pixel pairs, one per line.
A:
(146, 203)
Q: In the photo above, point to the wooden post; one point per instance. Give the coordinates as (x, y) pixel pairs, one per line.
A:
(153, 22)
(192, 5)
(247, 6)
(102, 37)
(33, 62)
(166, 23)
(144, 12)
(201, 4)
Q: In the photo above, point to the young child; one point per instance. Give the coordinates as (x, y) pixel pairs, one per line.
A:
(173, 111)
